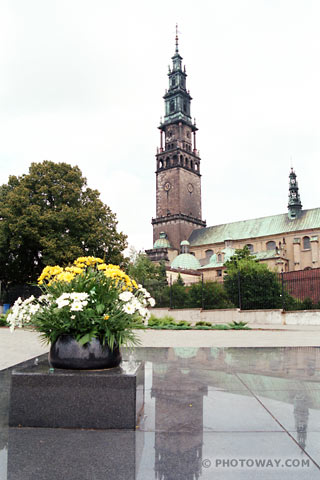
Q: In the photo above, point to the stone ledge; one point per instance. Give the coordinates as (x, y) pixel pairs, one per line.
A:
(101, 399)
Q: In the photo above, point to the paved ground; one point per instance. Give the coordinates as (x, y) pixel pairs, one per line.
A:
(22, 345)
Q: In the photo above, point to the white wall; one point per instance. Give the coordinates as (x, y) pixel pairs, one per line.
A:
(267, 317)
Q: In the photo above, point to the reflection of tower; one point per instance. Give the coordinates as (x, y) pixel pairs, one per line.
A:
(178, 397)
(301, 414)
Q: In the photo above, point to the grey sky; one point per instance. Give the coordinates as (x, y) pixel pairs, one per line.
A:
(82, 82)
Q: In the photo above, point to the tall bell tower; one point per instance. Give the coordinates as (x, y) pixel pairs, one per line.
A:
(178, 179)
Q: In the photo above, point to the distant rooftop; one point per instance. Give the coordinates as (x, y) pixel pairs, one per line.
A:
(256, 227)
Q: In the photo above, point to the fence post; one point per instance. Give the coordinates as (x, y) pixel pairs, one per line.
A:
(239, 290)
(202, 297)
(170, 291)
(282, 291)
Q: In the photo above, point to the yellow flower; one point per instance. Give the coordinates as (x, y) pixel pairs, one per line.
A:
(65, 277)
(106, 317)
(102, 266)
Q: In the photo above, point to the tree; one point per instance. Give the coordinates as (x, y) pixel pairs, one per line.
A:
(240, 254)
(152, 276)
(259, 286)
(48, 217)
(210, 294)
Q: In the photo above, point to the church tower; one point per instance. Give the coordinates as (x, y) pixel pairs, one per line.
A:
(178, 179)
(294, 203)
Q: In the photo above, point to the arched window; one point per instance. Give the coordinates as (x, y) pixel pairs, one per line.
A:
(209, 253)
(167, 162)
(306, 243)
(191, 164)
(250, 246)
(271, 245)
(219, 257)
(196, 167)
(160, 164)
(171, 106)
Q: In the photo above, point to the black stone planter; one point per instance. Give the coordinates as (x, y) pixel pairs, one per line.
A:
(67, 353)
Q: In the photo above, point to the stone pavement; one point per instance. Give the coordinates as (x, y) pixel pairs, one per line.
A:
(22, 345)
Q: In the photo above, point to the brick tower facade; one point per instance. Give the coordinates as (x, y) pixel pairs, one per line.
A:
(178, 179)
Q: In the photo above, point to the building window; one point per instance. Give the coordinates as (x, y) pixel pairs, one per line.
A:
(306, 243)
(209, 253)
(250, 246)
(171, 106)
(219, 257)
(271, 245)
(219, 273)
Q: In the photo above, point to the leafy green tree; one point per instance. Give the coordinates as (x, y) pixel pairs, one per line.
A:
(213, 295)
(152, 276)
(240, 254)
(179, 295)
(49, 216)
(259, 286)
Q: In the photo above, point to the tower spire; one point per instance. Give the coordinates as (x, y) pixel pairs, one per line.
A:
(177, 39)
(294, 203)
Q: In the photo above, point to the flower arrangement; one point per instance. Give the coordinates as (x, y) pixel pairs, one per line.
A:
(87, 300)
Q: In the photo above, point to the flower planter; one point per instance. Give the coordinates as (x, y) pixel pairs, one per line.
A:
(67, 353)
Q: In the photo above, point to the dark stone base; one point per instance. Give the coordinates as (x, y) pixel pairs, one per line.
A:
(53, 398)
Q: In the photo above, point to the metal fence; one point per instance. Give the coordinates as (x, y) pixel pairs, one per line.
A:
(292, 291)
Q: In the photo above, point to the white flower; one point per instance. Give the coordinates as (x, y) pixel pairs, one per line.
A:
(62, 303)
(152, 302)
(34, 309)
(125, 296)
(128, 308)
(78, 296)
(76, 307)
(73, 317)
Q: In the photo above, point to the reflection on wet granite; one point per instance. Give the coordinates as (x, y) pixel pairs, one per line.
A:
(202, 405)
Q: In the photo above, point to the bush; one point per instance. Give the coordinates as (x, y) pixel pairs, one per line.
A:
(213, 293)
(3, 321)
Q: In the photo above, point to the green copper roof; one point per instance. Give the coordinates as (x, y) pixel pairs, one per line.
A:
(186, 261)
(162, 243)
(267, 254)
(256, 227)
(228, 252)
(184, 242)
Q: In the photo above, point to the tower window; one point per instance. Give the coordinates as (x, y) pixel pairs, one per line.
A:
(160, 164)
(306, 243)
(173, 81)
(171, 106)
(209, 253)
(185, 107)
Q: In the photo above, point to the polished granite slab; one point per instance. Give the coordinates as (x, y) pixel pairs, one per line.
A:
(221, 413)
(60, 398)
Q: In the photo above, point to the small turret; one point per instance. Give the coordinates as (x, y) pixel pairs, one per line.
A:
(294, 204)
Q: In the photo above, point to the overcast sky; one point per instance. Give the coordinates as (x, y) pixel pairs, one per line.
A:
(82, 82)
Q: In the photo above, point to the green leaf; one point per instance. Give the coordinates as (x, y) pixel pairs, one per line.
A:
(100, 308)
(85, 339)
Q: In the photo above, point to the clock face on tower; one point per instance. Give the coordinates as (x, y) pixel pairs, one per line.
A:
(167, 186)
(190, 187)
